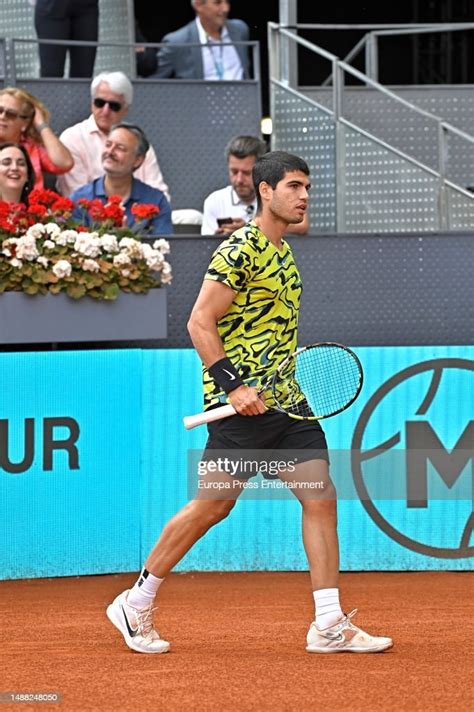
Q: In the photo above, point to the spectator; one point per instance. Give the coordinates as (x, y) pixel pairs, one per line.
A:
(112, 96)
(67, 20)
(145, 57)
(229, 208)
(17, 176)
(24, 119)
(214, 59)
(125, 149)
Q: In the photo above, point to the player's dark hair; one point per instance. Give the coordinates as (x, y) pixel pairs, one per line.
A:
(272, 167)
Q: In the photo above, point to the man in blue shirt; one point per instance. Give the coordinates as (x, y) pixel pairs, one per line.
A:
(124, 152)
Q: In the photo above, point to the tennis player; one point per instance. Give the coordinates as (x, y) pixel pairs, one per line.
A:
(243, 324)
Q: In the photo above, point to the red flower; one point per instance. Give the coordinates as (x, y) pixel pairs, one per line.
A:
(63, 205)
(37, 210)
(144, 211)
(4, 209)
(96, 210)
(43, 196)
(115, 213)
(114, 199)
(84, 203)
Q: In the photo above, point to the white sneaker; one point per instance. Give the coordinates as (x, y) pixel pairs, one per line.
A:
(344, 637)
(136, 626)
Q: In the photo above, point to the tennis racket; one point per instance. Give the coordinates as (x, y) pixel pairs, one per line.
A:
(315, 382)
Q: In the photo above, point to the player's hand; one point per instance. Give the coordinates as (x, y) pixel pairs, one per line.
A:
(247, 401)
(229, 227)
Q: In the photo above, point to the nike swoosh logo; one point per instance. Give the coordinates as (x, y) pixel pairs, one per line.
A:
(231, 375)
(131, 631)
(335, 637)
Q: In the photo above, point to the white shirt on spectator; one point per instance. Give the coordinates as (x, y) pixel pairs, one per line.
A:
(219, 62)
(86, 143)
(225, 203)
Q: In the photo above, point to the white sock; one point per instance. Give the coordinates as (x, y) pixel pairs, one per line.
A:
(144, 591)
(328, 608)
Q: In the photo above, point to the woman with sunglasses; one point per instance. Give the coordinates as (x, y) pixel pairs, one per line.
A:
(24, 120)
(17, 176)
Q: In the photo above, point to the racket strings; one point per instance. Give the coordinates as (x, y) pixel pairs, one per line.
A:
(318, 381)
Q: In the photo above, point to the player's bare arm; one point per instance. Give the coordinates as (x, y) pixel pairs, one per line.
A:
(212, 303)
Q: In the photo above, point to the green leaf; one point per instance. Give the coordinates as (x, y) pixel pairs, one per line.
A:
(111, 291)
(76, 291)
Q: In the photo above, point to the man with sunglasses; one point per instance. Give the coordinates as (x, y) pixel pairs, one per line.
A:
(111, 99)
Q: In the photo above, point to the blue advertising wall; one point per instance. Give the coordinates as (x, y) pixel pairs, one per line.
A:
(108, 465)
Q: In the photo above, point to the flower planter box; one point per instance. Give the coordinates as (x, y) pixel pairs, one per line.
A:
(54, 318)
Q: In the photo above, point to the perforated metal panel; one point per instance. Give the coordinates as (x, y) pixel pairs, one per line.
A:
(17, 20)
(379, 190)
(309, 132)
(3, 62)
(358, 289)
(461, 210)
(459, 160)
(114, 23)
(409, 131)
(188, 123)
(383, 191)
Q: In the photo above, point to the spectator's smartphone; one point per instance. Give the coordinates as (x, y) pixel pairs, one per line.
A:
(223, 221)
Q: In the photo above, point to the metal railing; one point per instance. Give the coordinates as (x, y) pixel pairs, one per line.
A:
(129, 48)
(280, 41)
(370, 41)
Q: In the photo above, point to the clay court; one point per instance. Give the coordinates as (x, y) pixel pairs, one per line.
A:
(238, 643)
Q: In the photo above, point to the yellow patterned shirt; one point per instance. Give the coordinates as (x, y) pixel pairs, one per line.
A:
(259, 329)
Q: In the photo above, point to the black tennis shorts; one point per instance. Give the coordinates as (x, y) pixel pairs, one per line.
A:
(267, 434)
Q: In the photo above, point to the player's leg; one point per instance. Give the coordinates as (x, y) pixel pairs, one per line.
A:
(311, 484)
(185, 528)
(132, 611)
(332, 631)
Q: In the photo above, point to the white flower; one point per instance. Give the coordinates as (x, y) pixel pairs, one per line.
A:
(109, 243)
(62, 268)
(132, 247)
(6, 252)
(26, 248)
(162, 245)
(43, 261)
(87, 244)
(49, 244)
(90, 266)
(61, 239)
(155, 261)
(166, 275)
(122, 259)
(36, 230)
(125, 272)
(70, 235)
(16, 263)
(53, 230)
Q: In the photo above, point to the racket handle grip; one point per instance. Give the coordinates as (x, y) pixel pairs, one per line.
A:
(191, 421)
